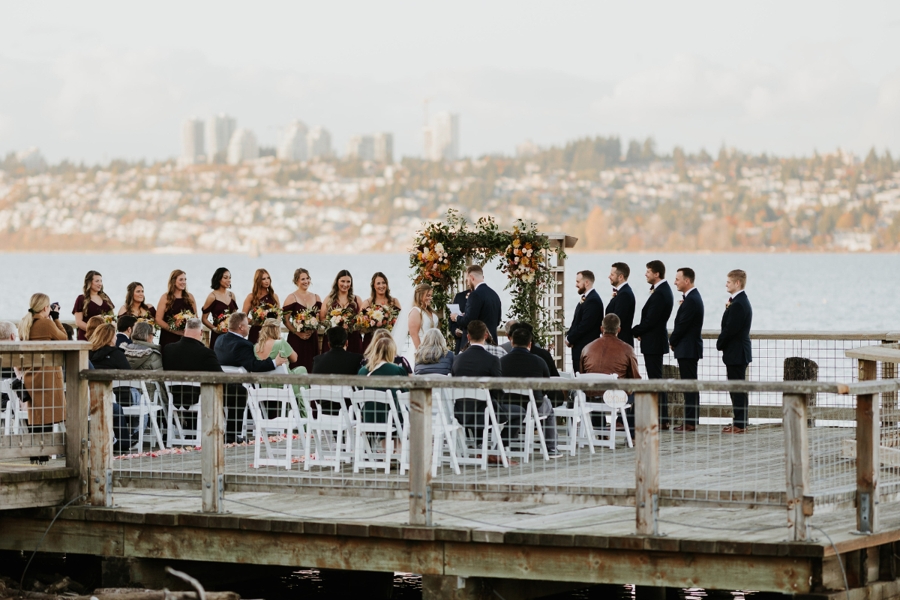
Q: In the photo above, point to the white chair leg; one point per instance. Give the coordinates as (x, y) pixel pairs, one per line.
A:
(627, 428)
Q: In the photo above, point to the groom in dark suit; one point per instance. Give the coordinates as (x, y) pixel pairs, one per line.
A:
(734, 342)
(686, 342)
(459, 332)
(482, 305)
(651, 331)
(622, 302)
(586, 321)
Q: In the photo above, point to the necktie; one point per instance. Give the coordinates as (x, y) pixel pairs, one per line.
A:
(652, 287)
(683, 296)
(730, 299)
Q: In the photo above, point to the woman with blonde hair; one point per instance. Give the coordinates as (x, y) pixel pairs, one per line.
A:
(104, 353)
(41, 323)
(270, 345)
(176, 300)
(380, 361)
(92, 302)
(262, 293)
(433, 357)
(422, 317)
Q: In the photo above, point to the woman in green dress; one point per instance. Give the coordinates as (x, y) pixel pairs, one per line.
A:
(270, 345)
(379, 362)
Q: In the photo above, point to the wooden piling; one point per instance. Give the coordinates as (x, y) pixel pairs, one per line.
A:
(101, 443)
(212, 455)
(420, 457)
(868, 438)
(646, 416)
(796, 447)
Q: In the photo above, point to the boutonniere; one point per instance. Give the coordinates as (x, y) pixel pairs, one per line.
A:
(651, 291)
(680, 302)
(615, 291)
(582, 300)
(728, 305)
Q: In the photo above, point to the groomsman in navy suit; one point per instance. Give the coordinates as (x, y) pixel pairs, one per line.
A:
(482, 305)
(652, 332)
(734, 342)
(622, 303)
(587, 319)
(686, 342)
(457, 332)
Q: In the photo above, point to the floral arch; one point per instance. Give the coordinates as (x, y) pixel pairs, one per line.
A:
(532, 261)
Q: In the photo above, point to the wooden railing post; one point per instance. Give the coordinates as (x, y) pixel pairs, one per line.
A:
(868, 439)
(101, 443)
(420, 457)
(77, 410)
(646, 488)
(796, 447)
(212, 443)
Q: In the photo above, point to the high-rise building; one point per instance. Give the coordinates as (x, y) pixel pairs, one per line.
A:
(243, 146)
(293, 146)
(219, 131)
(442, 137)
(361, 147)
(192, 142)
(318, 143)
(384, 148)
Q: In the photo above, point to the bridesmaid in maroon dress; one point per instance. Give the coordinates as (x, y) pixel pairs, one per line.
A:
(135, 303)
(380, 295)
(175, 300)
(219, 301)
(304, 343)
(342, 296)
(93, 302)
(263, 293)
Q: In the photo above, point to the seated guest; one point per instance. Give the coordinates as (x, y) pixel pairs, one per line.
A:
(104, 354)
(520, 362)
(142, 353)
(490, 344)
(190, 354)
(70, 331)
(233, 349)
(270, 345)
(337, 361)
(433, 357)
(92, 324)
(7, 334)
(398, 360)
(125, 327)
(507, 345)
(557, 397)
(380, 362)
(477, 361)
(611, 356)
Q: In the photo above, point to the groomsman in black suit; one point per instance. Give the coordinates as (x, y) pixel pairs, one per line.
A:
(459, 332)
(482, 305)
(734, 342)
(651, 331)
(622, 303)
(587, 319)
(686, 342)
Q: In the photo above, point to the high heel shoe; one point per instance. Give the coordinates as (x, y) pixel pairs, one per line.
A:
(39, 460)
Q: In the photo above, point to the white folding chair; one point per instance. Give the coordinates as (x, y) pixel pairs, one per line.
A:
(176, 434)
(614, 404)
(328, 435)
(15, 416)
(264, 426)
(491, 440)
(146, 410)
(364, 455)
(533, 420)
(571, 412)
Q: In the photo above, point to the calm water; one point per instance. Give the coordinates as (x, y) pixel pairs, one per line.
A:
(788, 291)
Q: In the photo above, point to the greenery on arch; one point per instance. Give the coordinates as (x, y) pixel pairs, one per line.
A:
(444, 249)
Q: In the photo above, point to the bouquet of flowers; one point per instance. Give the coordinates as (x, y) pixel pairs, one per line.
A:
(430, 259)
(305, 320)
(177, 321)
(264, 311)
(220, 322)
(522, 258)
(380, 316)
(109, 317)
(341, 317)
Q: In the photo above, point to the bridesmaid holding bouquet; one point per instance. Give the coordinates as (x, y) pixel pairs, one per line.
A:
(93, 302)
(340, 309)
(219, 305)
(262, 303)
(380, 299)
(175, 307)
(301, 317)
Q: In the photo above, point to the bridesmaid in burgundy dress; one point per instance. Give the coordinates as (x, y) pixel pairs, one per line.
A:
(342, 296)
(263, 293)
(219, 301)
(175, 300)
(380, 296)
(135, 303)
(93, 302)
(304, 343)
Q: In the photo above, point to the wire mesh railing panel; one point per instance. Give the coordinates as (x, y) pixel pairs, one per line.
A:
(32, 405)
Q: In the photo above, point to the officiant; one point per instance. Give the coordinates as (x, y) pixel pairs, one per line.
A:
(483, 303)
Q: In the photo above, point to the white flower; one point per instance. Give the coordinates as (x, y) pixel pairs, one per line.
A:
(378, 315)
(335, 321)
(439, 247)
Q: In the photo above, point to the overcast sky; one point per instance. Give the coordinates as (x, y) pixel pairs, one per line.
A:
(99, 80)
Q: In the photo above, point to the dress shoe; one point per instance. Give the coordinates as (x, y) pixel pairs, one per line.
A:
(493, 459)
(733, 429)
(685, 428)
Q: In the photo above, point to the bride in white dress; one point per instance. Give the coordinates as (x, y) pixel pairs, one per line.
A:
(420, 319)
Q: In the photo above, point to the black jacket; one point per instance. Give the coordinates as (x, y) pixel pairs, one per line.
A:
(460, 299)
(622, 305)
(483, 305)
(586, 322)
(109, 357)
(189, 355)
(234, 351)
(522, 363)
(734, 340)
(654, 318)
(686, 339)
(476, 362)
(337, 361)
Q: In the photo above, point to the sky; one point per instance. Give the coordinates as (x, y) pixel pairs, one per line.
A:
(101, 80)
